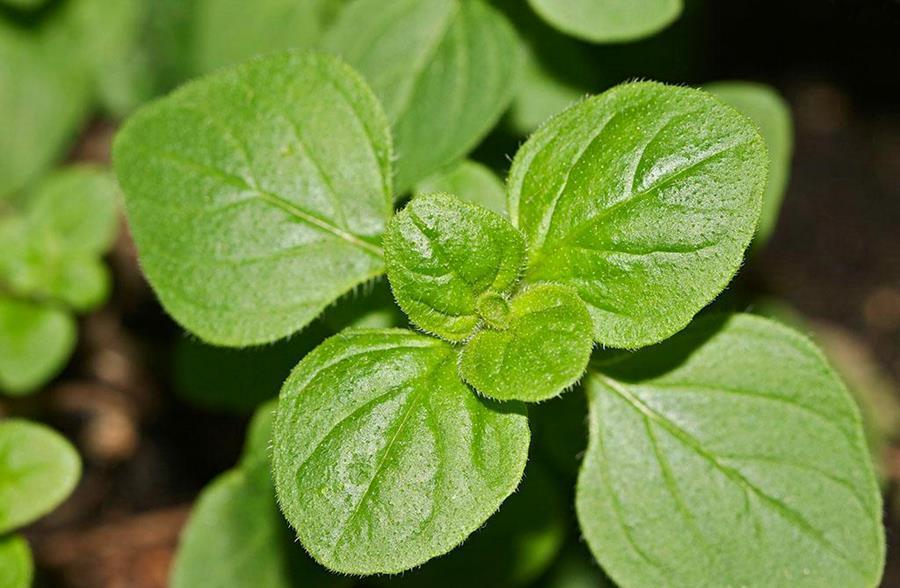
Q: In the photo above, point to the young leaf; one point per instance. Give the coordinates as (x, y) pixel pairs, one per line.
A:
(259, 437)
(542, 349)
(470, 181)
(729, 455)
(764, 106)
(38, 470)
(451, 263)
(16, 566)
(226, 32)
(250, 214)
(35, 343)
(608, 21)
(643, 199)
(383, 458)
(445, 70)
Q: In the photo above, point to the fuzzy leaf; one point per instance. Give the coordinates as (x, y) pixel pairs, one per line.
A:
(764, 106)
(642, 198)
(445, 70)
(608, 21)
(16, 565)
(542, 350)
(450, 263)
(35, 343)
(729, 455)
(383, 458)
(250, 214)
(38, 470)
(470, 181)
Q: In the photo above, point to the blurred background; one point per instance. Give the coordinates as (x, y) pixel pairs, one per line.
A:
(156, 415)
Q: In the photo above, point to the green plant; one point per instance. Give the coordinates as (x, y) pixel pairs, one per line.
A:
(722, 450)
(51, 243)
(38, 470)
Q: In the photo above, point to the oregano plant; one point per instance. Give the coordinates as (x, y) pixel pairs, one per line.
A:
(722, 450)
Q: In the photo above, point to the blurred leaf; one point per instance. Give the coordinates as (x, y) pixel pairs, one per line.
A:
(470, 181)
(764, 106)
(35, 343)
(39, 468)
(238, 380)
(515, 546)
(559, 432)
(16, 566)
(370, 306)
(608, 21)
(459, 58)
(576, 569)
(248, 230)
(44, 97)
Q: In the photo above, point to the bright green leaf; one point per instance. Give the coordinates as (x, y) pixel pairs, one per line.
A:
(764, 106)
(445, 70)
(642, 198)
(451, 264)
(226, 32)
(35, 343)
(249, 214)
(383, 458)
(470, 181)
(38, 470)
(16, 566)
(608, 21)
(542, 350)
(729, 455)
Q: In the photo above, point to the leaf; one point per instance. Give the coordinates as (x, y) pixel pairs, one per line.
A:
(451, 263)
(38, 470)
(44, 96)
(764, 106)
(383, 458)
(52, 249)
(35, 343)
(374, 308)
(16, 566)
(518, 544)
(542, 351)
(251, 216)
(608, 21)
(729, 455)
(445, 70)
(470, 181)
(643, 199)
(226, 32)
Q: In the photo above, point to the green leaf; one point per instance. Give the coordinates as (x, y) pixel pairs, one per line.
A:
(251, 216)
(226, 32)
(542, 350)
(44, 96)
(642, 198)
(513, 549)
(374, 308)
(729, 455)
(383, 458)
(16, 566)
(608, 21)
(38, 470)
(51, 250)
(764, 106)
(35, 343)
(451, 264)
(259, 437)
(470, 181)
(445, 70)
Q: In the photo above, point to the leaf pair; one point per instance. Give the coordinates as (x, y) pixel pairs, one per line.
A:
(455, 270)
(38, 470)
(50, 265)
